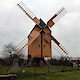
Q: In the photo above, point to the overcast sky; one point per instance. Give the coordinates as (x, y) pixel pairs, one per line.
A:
(15, 25)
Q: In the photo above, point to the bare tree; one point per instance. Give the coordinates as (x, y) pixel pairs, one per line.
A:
(9, 52)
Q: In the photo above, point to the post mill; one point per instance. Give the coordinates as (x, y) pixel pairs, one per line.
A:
(39, 39)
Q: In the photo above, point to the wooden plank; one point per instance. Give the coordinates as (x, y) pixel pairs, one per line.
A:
(9, 77)
(35, 48)
(33, 34)
(1, 76)
(46, 47)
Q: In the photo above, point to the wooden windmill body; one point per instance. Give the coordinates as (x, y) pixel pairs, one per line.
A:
(41, 47)
(39, 39)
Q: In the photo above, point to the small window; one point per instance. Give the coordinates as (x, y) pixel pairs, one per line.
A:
(44, 46)
(39, 46)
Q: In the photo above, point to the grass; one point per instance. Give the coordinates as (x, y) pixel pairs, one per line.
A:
(74, 75)
(41, 73)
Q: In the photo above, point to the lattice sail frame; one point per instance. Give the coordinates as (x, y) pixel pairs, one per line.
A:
(56, 17)
(28, 12)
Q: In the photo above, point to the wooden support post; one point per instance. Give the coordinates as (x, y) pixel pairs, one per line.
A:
(15, 65)
(48, 66)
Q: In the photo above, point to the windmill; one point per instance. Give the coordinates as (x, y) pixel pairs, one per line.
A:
(39, 39)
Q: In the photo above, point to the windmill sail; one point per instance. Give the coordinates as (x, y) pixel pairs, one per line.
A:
(22, 6)
(32, 40)
(60, 46)
(56, 17)
(57, 43)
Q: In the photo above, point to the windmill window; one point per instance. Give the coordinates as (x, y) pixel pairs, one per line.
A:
(39, 46)
(44, 46)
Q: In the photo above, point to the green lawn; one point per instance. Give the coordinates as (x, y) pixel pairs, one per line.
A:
(32, 73)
